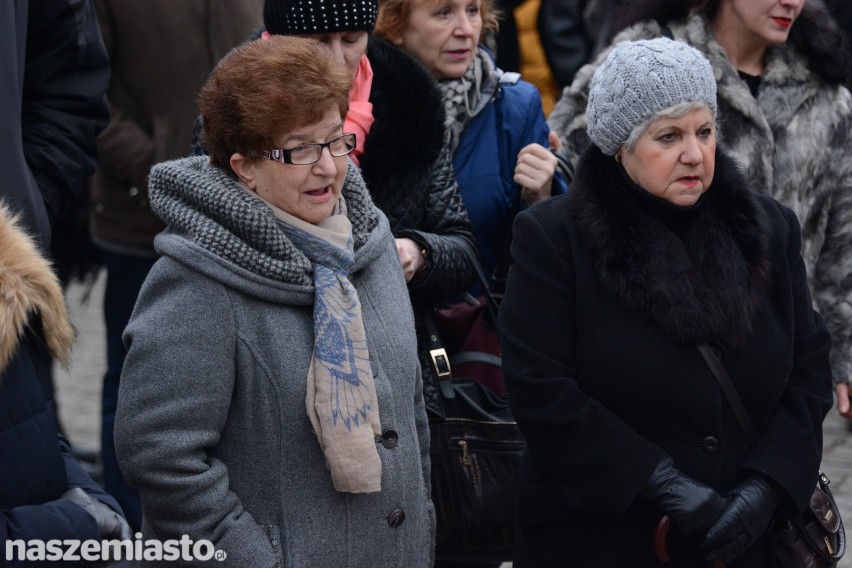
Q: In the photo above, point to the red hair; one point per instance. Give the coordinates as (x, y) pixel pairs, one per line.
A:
(263, 90)
(394, 15)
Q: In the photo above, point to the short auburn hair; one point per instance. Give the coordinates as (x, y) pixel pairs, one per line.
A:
(394, 15)
(265, 89)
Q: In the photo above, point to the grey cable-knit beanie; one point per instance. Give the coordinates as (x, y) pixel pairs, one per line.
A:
(639, 79)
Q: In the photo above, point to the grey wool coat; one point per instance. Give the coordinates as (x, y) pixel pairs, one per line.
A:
(794, 142)
(211, 425)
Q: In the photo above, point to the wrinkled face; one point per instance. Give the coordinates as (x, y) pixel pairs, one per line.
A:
(309, 192)
(675, 158)
(443, 35)
(347, 47)
(768, 21)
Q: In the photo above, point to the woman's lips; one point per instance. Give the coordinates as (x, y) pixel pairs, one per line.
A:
(459, 54)
(689, 181)
(319, 195)
(783, 22)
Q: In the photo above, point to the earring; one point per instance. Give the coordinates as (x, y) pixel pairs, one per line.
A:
(617, 158)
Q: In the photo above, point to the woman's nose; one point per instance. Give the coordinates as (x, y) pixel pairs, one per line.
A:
(336, 48)
(465, 26)
(325, 164)
(692, 152)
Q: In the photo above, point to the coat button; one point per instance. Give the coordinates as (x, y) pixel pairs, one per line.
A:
(396, 518)
(389, 439)
(710, 445)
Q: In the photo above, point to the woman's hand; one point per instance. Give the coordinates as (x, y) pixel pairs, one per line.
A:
(692, 505)
(844, 399)
(753, 502)
(111, 525)
(410, 257)
(535, 168)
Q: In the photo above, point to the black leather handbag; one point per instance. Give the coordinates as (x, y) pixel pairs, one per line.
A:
(476, 449)
(815, 539)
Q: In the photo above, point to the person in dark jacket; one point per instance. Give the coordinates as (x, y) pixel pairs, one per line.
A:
(396, 109)
(660, 245)
(52, 106)
(45, 493)
(54, 77)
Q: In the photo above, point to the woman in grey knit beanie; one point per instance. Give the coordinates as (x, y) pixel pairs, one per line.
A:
(640, 79)
(663, 83)
(780, 68)
(659, 247)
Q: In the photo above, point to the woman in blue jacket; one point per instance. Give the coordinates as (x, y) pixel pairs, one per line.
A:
(495, 126)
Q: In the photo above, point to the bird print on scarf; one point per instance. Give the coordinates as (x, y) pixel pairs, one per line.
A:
(343, 356)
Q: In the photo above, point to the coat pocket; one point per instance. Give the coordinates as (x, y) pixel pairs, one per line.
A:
(273, 533)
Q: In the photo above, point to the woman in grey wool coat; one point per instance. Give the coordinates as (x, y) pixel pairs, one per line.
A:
(785, 116)
(271, 400)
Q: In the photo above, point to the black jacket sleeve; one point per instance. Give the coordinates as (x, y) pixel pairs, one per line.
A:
(64, 100)
(445, 233)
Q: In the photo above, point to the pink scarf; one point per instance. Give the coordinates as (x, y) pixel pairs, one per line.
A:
(359, 119)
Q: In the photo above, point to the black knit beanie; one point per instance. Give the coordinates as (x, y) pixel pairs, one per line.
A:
(310, 17)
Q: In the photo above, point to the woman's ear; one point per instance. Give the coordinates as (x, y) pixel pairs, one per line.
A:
(244, 168)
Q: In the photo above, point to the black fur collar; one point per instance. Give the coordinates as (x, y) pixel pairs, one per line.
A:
(706, 287)
(408, 132)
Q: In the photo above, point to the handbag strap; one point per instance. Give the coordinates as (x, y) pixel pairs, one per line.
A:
(730, 391)
(490, 299)
(437, 351)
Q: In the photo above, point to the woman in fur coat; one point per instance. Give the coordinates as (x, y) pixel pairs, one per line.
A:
(659, 245)
(785, 116)
(45, 493)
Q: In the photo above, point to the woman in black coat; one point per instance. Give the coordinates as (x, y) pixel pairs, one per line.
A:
(44, 493)
(658, 246)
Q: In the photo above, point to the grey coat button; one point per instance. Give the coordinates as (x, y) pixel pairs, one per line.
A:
(389, 439)
(710, 445)
(396, 518)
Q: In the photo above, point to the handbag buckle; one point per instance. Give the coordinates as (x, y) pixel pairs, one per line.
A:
(441, 362)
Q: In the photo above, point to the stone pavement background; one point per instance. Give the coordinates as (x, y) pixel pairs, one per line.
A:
(78, 393)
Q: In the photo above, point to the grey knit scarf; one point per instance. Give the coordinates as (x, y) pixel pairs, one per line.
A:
(211, 209)
(461, 98)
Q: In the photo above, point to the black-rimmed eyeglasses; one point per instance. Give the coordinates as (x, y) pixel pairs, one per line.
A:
(307, 154)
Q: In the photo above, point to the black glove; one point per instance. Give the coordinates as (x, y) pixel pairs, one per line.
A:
(110, 524)
(691, 505)
(753, 502)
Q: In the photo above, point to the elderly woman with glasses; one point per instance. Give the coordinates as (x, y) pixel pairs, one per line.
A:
(271, 400)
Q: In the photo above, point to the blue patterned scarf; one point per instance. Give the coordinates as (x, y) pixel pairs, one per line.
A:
(341, 399)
